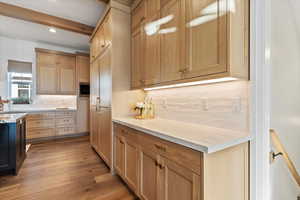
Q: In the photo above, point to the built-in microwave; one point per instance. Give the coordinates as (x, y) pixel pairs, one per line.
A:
(84, 89)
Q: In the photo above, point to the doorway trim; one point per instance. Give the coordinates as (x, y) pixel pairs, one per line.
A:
(260, 45)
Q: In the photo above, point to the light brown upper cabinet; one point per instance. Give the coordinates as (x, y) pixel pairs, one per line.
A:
(105, 79)
(172, 37)
(192, 40)
(47, 79)
(138, 16)
(206, 38)
(152, 60)
(67, 75)
(83, 67)
(138, 58)
(102, 39)
(56, 72)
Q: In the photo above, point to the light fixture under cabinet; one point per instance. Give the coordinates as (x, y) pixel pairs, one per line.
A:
(218, 80)
(52, 30)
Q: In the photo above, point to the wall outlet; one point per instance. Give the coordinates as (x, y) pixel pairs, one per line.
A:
(237, 105)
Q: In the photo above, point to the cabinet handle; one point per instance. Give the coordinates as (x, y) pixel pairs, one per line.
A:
(160, 147)
(142, 19)
(185, 70)
(161, 166)
(156, 163)
(121, 142)
(142, 82)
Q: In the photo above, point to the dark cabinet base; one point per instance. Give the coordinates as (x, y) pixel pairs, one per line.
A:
(12, 146)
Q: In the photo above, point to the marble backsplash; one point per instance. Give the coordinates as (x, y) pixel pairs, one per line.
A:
(222, 105)
(48, 102)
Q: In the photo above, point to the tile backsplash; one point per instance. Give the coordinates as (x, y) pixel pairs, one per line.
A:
(50, 101)
(223, 105)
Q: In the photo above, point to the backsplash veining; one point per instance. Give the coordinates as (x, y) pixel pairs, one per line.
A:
(223, 105)
(50, 101)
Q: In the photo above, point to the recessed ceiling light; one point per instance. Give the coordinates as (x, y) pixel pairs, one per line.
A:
(52, 30)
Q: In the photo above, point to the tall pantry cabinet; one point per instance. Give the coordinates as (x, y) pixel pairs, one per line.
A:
(110, 76)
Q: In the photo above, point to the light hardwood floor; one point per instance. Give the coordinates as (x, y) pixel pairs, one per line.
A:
(63, 170)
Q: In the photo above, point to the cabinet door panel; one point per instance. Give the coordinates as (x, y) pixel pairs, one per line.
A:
(149, 176)
(94, 83)
(47, 80)
(206, 37)
(132, 165)
(105, 79)
(152, 70)
(138, 15)
(119, 155)
(4, 146)
(138, 59)
(153, 7)
(105, 139)
(172, 41)
(179, 183)
(67, 81)
(83, 64)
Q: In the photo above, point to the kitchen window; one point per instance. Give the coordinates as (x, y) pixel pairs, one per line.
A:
(20, 82)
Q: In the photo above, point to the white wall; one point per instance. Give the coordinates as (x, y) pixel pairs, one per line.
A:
(21, 50)
(285, 93)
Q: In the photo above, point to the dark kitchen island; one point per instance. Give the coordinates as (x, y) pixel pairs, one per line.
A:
(12, 142)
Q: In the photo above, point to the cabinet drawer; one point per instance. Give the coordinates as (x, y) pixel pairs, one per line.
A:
(65, 130)
(46, 115)
(65, 121)
(41, 123)
(172, 151)
(128, 133)
(40, 133)
(64, 114)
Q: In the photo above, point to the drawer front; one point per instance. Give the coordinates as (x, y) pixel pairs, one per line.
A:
(65, 122)
(65, 114)
(126, 132)
(41, 123)
(65, 131)
(40, 133)
(45, 115)
(177, 153)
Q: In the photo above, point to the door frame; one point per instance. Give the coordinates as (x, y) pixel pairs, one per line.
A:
(260, 45)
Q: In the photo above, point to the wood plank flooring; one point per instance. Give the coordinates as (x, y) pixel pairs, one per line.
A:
(63, 170)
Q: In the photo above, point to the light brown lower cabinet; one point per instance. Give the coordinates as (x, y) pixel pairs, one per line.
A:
(100, 134)
(45, 125)
(156, 169)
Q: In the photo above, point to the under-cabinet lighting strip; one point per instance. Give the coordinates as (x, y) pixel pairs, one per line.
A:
(193, 83)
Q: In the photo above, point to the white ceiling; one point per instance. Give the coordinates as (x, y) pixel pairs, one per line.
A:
(83, 11)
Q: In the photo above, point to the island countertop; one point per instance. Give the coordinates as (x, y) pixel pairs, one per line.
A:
(199, 137)
(11, 118)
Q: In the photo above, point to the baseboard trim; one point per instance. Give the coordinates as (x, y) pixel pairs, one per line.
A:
(46, 139)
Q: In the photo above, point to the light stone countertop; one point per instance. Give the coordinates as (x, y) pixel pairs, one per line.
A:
(11, 118)
(202, 138)
(36, 109)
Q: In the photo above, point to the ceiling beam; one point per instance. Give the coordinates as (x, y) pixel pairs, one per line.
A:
(104, 1)
(45, 19)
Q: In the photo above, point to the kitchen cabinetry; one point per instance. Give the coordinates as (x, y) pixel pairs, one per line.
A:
(101, 91)
(56, 72)
(83, 68)
(158, 169)
(138, 58)
(12, 146)
(50, 124)
(190, 40)
(101, 39)
(100, 134)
